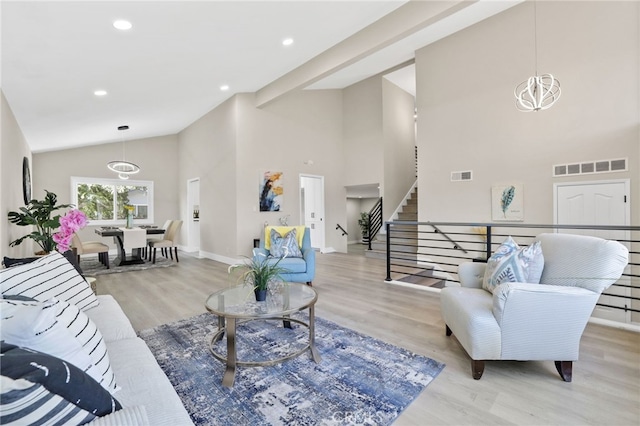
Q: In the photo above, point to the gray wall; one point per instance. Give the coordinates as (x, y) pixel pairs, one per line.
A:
(379, 139)
(467, 119)
(13, 149)
(232, 145)
(363, 138)
(157, 158)
(399, 146)
(207, 150)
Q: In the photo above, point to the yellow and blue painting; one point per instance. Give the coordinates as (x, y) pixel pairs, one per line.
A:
(271, 192)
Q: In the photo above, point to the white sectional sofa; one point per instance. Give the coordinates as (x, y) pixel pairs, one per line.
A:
(147, 396)
(70, 357)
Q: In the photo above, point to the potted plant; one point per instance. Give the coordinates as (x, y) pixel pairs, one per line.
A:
(259, 272)
(39, 213)
(363, 222)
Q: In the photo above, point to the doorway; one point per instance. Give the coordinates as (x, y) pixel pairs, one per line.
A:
(312, 208)
(598, 203)
(193, 215)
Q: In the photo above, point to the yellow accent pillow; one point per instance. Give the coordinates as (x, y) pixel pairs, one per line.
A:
(282, 230)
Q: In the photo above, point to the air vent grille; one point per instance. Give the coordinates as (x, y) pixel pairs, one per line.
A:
(590, 167)
(461, 176)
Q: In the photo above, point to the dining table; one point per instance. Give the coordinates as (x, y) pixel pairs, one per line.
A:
(135, 257)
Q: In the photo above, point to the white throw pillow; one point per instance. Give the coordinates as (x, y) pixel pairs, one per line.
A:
(510, 263)
(85, 332)
(33, 324)
(59, 329)
(50, 276)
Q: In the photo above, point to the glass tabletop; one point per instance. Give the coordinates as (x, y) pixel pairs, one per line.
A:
(282, 299)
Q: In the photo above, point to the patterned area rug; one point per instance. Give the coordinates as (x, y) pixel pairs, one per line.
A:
(92, 267)
(360, 380)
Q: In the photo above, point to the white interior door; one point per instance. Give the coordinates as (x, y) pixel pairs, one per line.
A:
(312, 207)
(598, 203)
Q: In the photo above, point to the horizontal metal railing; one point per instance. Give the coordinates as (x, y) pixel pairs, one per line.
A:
(435, 249)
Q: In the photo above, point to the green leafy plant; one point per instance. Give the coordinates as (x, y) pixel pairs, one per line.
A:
(258, 272)
(363, 222)
(39, 213)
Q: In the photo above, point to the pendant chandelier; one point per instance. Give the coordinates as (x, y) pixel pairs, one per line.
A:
(122, 167)
(540, 91)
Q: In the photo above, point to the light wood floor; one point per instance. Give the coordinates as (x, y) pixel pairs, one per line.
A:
(606, 381)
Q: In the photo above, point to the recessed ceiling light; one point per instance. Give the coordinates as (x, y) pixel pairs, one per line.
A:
(224, 88)
(121, 24)
(287, 42)
(100, 92)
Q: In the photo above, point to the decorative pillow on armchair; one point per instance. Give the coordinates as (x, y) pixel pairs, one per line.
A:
(510, 263)
(286, 246)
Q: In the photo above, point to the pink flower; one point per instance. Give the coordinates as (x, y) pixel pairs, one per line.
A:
(63, 241)
(70, 223)
(73, 221)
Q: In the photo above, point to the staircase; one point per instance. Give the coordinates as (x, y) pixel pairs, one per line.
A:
(408, 212)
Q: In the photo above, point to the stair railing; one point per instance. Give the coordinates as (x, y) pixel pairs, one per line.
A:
(341, 229)
(434, 257)
(456, 245)
(375, 220)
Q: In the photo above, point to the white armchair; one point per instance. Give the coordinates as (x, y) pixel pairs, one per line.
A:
(545, 321)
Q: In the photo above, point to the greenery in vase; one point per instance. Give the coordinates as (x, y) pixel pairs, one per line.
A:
(39, 213)
(259, 272)
(363, 222)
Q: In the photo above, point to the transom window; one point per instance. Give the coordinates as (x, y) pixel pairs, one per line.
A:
(104, 201)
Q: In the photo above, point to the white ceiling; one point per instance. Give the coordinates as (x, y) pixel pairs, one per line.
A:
(166, 71)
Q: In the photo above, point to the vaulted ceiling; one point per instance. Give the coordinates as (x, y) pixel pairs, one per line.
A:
(168, 69)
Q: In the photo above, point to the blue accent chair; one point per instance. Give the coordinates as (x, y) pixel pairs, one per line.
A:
(301, 270)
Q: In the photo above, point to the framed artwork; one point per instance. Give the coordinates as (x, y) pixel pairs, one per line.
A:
(507, 202)
(271, 191)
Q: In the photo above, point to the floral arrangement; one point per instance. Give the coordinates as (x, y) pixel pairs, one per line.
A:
(129, 209)
(70, 223)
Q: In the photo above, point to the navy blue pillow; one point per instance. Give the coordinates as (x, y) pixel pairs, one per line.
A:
(9, 261)
(37, 377)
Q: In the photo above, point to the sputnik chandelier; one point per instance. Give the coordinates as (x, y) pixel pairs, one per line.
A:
(122, 167)
(539, 92)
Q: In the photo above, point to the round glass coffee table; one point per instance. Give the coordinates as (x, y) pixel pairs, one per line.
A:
(238, 303)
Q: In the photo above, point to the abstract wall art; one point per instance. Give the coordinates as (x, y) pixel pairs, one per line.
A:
(271, 191)
(507, 202)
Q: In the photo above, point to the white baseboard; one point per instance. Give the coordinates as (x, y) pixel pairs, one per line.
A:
(615, 324)
(218, 258)
(415, 286)
(327, 250)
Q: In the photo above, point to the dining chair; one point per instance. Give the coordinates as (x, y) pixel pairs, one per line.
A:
(146, 253)
(90, 247)
(168, 241)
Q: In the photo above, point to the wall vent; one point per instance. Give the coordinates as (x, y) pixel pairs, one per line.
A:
(460, 176)
(590, 167)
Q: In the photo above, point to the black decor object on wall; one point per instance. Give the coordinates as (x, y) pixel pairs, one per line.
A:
(26, 181)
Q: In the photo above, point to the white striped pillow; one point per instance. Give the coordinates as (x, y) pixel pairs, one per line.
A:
(38, 388)
(50, 276)
(87, 334)
(27, 403)
(33, 325)
(59, 329)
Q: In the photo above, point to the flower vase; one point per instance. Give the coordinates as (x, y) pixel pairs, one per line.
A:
(261, 294)
(129, 220)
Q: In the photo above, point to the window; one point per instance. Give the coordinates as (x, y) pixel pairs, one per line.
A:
(104, 200)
